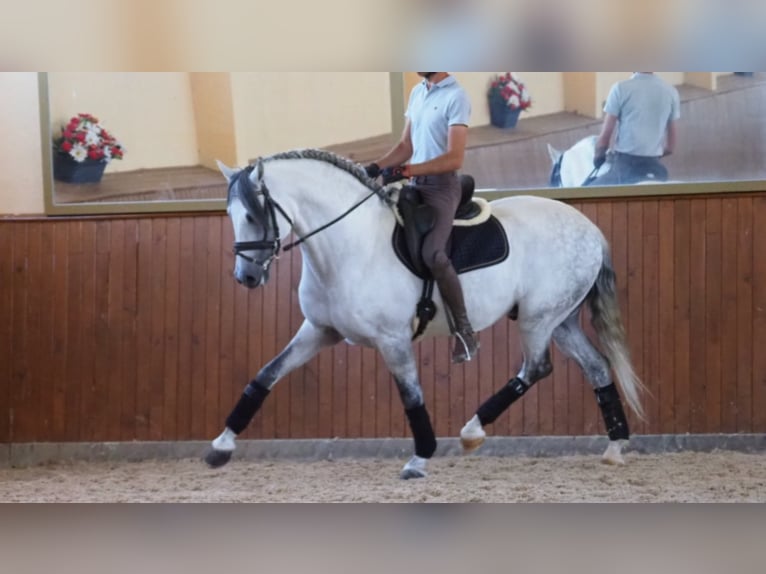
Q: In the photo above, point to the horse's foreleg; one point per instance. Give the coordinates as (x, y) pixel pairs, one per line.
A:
(537, 366)
(573, 342)
(308, 342)
(400, 359)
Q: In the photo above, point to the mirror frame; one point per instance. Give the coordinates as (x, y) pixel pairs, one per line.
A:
(398, 105)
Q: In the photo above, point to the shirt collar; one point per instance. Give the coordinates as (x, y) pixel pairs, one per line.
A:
(448, 81)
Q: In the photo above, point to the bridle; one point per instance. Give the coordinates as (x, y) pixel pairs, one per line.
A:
(266, 216)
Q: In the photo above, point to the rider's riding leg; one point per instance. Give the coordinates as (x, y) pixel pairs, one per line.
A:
(443, 194)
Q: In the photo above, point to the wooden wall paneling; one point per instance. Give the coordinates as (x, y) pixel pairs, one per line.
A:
(759, 315)
(7, 234)
(172, 274)
(186, 313)
(713, 319)
(145, 280)
(651, 314)
(745, 315)
(89, 344)
(156, 334)
(115, 338)
(130, 326)
(682, 286)
(199, 328)
(729, 316)
(213, 424)
(44, 340)
(635, 316)
(665, 384)
(697, 288)
(75, 356)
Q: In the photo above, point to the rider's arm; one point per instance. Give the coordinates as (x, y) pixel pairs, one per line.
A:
(605, 139)
(672, 139)
(401, 152)
(450, 161)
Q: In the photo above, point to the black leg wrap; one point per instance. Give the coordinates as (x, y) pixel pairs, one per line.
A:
(490, 411)
(614, 416)
(248, 405)
(425, 439)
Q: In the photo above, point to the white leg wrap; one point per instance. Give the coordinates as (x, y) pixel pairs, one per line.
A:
(226, 442)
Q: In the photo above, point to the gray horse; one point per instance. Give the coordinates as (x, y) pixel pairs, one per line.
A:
(353, 288)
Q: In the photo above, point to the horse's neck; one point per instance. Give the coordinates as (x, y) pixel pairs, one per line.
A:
(316, 194)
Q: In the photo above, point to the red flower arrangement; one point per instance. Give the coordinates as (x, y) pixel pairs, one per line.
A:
(512, 91)
(83, 139)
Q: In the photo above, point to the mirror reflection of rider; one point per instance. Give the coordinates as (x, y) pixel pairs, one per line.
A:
(644, 112)
(434, 141)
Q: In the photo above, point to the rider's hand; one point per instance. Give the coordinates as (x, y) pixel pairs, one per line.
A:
(599, 160)
(373, 170)
(394, 174)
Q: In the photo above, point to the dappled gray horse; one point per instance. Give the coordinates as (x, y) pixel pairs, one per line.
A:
(354, 288)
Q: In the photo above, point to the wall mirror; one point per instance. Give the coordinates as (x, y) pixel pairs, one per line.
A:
(162, 132)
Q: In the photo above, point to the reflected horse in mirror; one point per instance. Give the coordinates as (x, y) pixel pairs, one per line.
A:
(353, 288)
(574, 167)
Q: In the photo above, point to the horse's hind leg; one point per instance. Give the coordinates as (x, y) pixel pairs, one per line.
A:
(537, 366)
(400, 360)
(573, 342)
(305, 346)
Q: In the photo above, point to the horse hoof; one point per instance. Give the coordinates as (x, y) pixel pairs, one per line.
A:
(472, 444)
(613, 460)
(412, 474)
(217, 458)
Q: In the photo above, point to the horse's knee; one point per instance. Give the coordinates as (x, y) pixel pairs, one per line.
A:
(540, 369)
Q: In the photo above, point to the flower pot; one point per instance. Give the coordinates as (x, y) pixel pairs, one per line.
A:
(68, 170)
(501, 115)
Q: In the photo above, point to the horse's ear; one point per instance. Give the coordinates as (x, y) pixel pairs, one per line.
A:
(554, 153)
(227, 172)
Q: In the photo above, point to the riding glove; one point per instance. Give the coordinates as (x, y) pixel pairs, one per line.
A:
(393, 175)
(373, 170)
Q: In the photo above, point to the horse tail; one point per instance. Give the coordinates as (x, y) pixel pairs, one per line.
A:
(606, 319)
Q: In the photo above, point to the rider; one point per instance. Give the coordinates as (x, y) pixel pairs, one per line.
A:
(644, 112)
(434, 141)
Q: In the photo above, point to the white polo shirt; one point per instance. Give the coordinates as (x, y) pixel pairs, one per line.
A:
(431, 114)
(644, 105)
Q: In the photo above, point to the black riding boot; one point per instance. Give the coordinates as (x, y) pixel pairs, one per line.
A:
(466, 344)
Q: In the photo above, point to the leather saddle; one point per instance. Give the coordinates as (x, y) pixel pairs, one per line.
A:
(478, 240)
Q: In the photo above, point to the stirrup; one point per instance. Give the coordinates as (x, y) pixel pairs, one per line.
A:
(466, 353)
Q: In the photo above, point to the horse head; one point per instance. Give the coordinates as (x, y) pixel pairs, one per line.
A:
(572, 168)
(255, 217)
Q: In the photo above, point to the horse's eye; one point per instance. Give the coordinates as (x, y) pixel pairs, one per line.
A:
(250, 218)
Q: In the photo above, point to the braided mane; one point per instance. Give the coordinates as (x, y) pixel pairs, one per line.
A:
(336, 160)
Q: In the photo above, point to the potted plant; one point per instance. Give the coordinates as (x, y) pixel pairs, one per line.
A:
(508, 97)
(83, 150)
